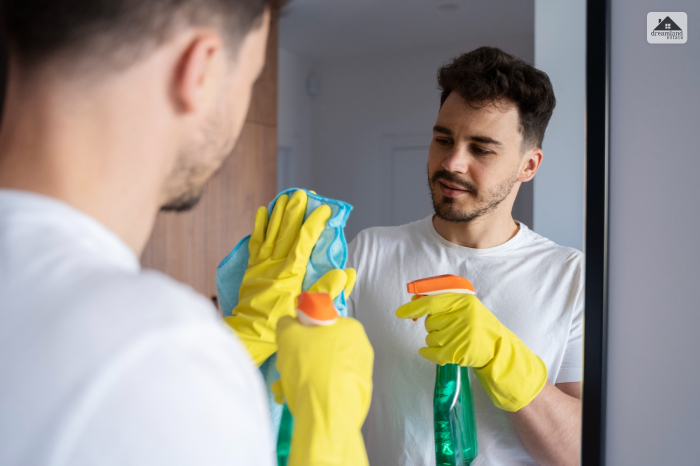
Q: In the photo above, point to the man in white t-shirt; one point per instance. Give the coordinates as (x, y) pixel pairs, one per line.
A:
(522, 333)
(116, 109)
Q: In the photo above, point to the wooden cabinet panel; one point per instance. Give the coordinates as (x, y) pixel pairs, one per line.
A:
(263, 105)
(178, 245)
(188, 246)
(247, 181)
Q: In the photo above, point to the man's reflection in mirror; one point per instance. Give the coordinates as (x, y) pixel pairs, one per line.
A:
(522, 333)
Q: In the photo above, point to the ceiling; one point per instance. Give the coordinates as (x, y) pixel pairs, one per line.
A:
(327, 28)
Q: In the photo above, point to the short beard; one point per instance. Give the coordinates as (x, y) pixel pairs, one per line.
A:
(190, 189)
(190, 176)
(185, 202)
(445, 208)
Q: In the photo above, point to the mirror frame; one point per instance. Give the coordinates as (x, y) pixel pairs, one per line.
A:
(596, 232)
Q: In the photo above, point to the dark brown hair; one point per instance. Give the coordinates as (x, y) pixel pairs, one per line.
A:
(116, 30)
(489, 75)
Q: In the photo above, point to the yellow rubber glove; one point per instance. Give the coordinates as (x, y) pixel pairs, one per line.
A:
(279, 252)
(326, 380)
(461, 330)
(334, 282)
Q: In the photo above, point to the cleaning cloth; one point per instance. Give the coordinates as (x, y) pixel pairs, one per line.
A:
(330, 252)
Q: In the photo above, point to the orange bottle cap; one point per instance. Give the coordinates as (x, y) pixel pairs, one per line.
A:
(316, 309)
(440, 284)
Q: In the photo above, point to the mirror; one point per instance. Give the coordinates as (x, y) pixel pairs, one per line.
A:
(358, 102)
(361, 118)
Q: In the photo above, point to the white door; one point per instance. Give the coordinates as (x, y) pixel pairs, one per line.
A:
(286, 164)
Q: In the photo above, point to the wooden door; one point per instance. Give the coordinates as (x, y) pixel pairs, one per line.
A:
(188, 246)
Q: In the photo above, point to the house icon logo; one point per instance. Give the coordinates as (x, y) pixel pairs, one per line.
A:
(667, 28)
(667, 25)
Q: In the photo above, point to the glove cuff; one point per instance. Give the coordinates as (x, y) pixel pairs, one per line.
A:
(515, 376)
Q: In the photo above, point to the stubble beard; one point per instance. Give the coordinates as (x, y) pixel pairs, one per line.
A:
(185, 202)
(189, 178)
(447, 209)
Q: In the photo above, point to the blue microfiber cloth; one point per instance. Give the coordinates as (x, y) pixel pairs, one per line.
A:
(330, 252)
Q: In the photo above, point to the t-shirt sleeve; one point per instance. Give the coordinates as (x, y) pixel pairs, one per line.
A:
(351, 307)
(571, 369)
(181, 397)
(353, 262)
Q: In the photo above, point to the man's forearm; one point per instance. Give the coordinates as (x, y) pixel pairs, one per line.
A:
(550, 427)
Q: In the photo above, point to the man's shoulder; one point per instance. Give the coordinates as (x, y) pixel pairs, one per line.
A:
(107, 312)
(155, 335)
(150, 298)
(151, 310)
(536, 245)
(156, 291)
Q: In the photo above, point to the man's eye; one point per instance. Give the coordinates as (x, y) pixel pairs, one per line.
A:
(442, 141)
(480, 151)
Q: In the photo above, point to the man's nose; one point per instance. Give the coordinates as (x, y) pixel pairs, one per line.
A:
(457, 161)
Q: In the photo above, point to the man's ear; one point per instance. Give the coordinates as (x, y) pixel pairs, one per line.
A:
(530, 163)
(199, 67)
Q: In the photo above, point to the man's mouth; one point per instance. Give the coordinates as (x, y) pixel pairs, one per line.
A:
(451, 189)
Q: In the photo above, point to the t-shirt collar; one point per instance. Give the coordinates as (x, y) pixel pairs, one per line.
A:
(433, 234)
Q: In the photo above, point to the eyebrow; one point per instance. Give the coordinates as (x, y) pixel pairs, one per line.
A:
(481, 139)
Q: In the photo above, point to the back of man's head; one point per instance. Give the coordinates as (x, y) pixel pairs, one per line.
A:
(116, 32)
(121, 107)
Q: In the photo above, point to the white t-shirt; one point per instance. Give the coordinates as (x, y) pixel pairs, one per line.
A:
(102, 363)
(532, 285)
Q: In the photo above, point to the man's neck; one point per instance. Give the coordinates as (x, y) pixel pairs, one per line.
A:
(481, 233)
(83, 151)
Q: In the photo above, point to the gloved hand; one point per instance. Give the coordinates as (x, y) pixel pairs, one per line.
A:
(326, 380)
(279, 252)
(461, 330)
(334, 282)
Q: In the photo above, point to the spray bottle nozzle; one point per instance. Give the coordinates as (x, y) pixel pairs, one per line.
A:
(440, 284)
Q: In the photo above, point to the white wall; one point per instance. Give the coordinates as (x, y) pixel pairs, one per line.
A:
(367, 107)
(294, 122)
(365, 100)
(560, 51)
(653, 407)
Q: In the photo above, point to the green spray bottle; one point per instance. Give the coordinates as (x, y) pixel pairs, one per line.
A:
(284, 437)
(454, 421)
(313, 310)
